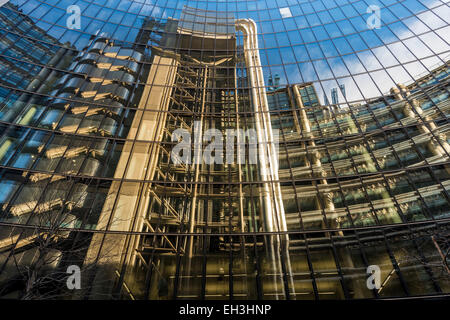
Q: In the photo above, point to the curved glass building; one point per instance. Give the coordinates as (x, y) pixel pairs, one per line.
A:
(224, 149)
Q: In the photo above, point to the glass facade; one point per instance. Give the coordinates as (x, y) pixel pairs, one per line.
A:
(224, 149)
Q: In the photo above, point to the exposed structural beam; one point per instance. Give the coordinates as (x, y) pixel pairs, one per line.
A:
(198, 134)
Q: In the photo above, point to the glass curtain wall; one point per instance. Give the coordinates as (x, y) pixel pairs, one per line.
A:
(269, 149)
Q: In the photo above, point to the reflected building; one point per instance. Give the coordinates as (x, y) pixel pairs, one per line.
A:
(88, 176)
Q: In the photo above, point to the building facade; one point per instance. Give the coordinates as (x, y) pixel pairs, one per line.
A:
(271, 149)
